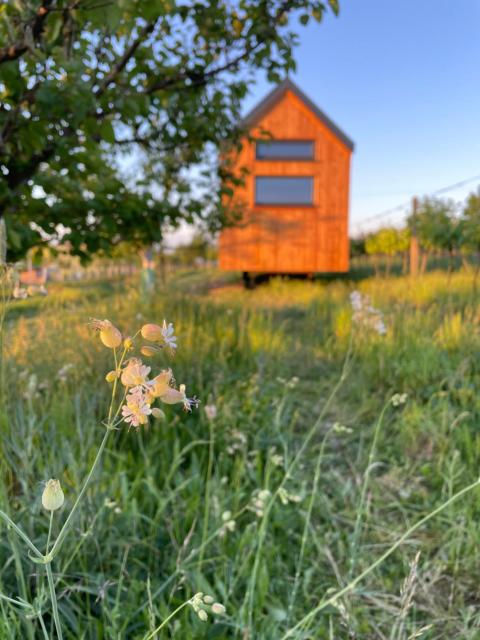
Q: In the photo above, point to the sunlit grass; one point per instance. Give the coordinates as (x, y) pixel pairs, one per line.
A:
(135, 558)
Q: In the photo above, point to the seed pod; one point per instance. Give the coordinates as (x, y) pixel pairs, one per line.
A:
(52, 496)
(148, 351)
(152, 332)
(109, 334)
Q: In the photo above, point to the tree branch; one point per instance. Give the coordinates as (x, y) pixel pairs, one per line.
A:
(36, 26)
(122, 62)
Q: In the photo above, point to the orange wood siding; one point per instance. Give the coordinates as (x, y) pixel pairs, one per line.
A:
(290, 238)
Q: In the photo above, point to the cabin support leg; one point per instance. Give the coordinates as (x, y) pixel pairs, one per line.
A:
(248, 280)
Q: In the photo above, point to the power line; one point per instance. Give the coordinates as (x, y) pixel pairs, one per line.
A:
(403, 206)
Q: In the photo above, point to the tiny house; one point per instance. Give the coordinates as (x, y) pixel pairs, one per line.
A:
(295, 196)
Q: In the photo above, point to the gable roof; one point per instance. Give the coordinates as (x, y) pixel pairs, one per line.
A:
(274, 96)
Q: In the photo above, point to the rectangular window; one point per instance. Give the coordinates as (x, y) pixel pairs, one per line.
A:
(283, 190)
(284, 150)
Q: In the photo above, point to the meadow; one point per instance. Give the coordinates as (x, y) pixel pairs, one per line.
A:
(277, 500)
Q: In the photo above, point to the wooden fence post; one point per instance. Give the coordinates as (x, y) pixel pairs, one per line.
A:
(414, 247)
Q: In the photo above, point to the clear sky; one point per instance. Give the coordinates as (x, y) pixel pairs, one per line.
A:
(402, 79)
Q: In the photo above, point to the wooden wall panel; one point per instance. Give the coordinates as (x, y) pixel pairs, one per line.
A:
(292, 239)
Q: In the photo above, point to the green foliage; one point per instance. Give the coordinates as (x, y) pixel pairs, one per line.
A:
(88, 87)
(387, 241)
(471, 224)
(436, 224)
(134, 554)
(200, 247)
(357, 246)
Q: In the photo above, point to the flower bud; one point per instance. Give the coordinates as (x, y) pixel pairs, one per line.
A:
(148, 351)
(128, 343)
(202, 615)
(208, 599)
(152, 332)
(158, 413)
(52, 496)
(210, 411)
(111, 376)
(218, 608)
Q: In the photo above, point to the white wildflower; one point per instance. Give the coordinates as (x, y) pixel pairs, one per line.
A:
(398, 399)
(169, 338)
(135, 373)
(175, 396)
(136, 410)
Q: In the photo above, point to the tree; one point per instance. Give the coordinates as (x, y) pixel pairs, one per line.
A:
(471, 230)
(437, 227)
(388, 242)
(88, 85)
(200, 248)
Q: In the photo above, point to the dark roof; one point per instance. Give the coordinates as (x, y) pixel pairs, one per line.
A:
(274, 96)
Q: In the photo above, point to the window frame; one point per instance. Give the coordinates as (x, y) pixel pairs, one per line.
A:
(285, 158)
(284, 204)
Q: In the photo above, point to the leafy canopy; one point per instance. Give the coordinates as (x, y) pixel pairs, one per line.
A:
(88, 86)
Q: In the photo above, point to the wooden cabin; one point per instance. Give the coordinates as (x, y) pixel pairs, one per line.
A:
(295, 196)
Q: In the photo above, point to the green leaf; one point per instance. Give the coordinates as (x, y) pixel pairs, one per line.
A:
(107, 132)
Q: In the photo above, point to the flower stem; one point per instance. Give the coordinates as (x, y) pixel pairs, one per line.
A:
(351, 585)
(42, 624)
(288, 474)
(174, 613)
(354, 546)
(53, 597)
(49, 532)
(20, 533)
(306, 526)
(207, 492)
(68, 521)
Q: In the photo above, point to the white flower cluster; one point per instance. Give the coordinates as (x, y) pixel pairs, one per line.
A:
(398, 399)
(259, 501)
(229, 525)
(238, 442)
(201, 604)
(140, 391)
(286, 497)
(366, 315)
(62, 373)
(290, 383)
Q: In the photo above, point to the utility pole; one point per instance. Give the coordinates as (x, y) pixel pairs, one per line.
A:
(414, 247)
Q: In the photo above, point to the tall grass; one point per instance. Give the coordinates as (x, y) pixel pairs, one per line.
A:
(151, 532)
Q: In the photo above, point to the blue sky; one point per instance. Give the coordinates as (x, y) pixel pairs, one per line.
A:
(402, 79)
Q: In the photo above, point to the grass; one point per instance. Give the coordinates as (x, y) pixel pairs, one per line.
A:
(151, 534)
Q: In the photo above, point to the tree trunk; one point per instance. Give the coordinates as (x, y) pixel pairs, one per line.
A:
(147, 278)
(423, 266)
